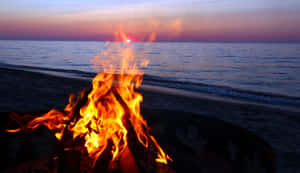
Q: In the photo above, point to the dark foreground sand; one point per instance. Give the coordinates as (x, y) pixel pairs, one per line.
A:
(33, 92)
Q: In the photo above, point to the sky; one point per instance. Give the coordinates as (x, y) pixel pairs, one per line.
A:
(167, 20)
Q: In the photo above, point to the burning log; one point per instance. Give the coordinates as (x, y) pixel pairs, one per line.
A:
(145, 157)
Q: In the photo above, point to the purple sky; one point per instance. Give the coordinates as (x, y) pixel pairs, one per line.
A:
(171, 20)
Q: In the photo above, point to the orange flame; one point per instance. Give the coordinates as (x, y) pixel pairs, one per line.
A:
(111, 103)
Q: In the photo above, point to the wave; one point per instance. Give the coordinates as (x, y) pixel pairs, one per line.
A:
(223, 91)
(57, 71)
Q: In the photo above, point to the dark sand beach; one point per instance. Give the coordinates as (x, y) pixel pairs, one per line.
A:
(192, 119)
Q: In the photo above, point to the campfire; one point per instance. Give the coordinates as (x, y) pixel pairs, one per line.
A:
(103, 123)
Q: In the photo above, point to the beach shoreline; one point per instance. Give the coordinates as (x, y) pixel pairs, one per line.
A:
(24, 91)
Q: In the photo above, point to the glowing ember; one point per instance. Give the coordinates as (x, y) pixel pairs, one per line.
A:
(111, 110)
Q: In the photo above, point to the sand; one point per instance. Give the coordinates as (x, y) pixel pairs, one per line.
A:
(34, 92)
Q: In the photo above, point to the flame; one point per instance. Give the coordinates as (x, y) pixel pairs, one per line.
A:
(111, 104)
(176, 27)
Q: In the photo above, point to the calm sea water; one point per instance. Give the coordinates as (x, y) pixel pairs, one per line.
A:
(263, 72)
(260, 72)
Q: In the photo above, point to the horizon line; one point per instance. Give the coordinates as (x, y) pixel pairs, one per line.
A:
(158, 41)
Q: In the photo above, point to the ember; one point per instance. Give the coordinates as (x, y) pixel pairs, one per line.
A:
(104, 122)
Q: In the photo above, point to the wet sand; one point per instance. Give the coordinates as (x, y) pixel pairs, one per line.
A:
(34, 92)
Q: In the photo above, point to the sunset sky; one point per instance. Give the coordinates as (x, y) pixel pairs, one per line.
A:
(171, 20)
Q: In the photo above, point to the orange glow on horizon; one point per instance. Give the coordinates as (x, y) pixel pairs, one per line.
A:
(238, 27)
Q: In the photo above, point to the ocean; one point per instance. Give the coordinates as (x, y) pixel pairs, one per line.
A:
(262, 73)
(257, 72)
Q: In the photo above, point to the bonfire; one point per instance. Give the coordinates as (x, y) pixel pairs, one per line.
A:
(104, 123)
